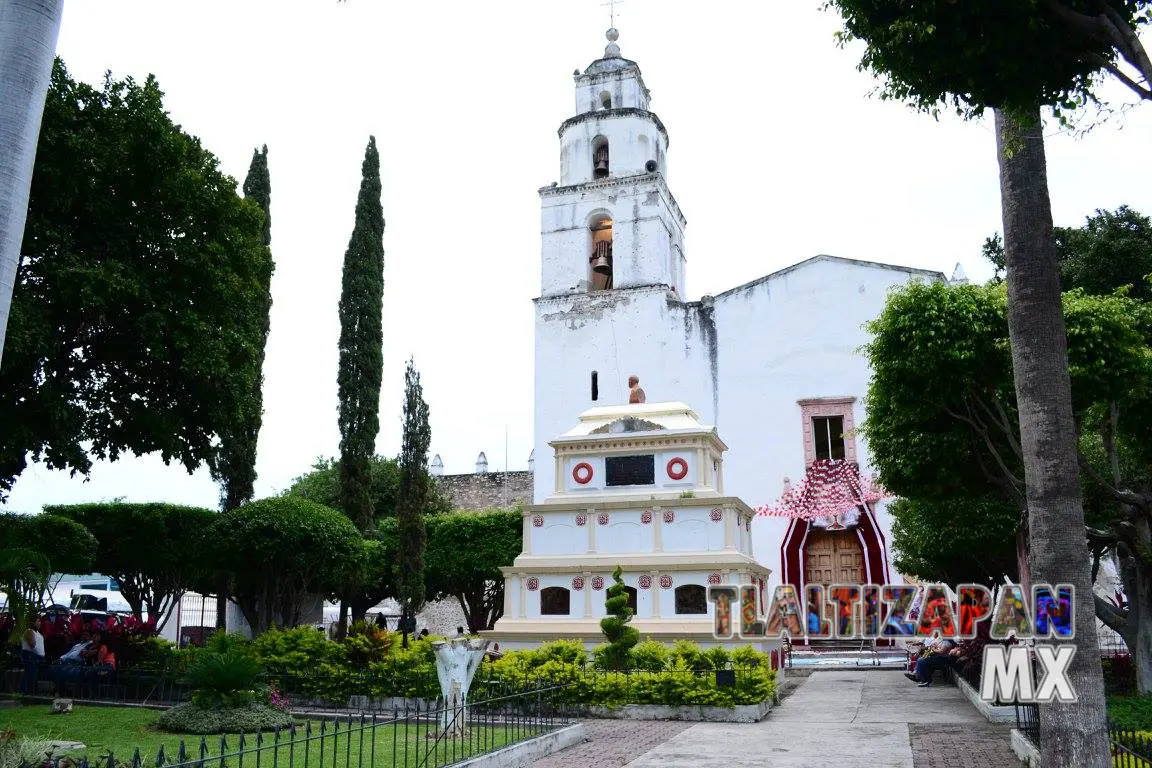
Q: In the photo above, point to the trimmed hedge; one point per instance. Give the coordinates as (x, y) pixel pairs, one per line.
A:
(190, 718)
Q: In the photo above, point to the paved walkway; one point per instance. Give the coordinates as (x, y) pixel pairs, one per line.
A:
(849, 719)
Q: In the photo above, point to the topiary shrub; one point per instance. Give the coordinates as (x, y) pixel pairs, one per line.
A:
(250, 718)
(621, 637)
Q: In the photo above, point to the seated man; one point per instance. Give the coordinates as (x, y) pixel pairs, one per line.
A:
(940, 653)
(70, 667)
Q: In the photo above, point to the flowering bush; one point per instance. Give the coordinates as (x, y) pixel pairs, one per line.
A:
(277, 700)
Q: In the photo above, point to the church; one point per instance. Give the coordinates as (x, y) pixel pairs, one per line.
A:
(764, 381)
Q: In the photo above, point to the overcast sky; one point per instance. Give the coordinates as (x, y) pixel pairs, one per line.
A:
(778, 153)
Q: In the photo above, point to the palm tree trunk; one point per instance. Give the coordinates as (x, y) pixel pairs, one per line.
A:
(1071, 733)
(28, 32)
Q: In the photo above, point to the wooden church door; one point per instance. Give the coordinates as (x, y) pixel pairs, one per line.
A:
(833, 557)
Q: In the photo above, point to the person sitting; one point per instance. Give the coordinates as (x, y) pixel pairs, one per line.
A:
(32, 655)
(940, 653)
(101, 656)
(70, 667)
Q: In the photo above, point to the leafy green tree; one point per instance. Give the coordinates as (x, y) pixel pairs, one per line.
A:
(66, 543)
(942, 423)
(32, 547)
(279, 551)
(236, 472)
(322, 485)
(983, 54)
(132, 326)
(955, 541)
(237, 467)
(1112, 250)
(156, 552)
(465, 553)
(361, 345)
(621, 637)
(413, 536)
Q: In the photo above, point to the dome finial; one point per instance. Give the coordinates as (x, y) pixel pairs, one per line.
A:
(612, 51)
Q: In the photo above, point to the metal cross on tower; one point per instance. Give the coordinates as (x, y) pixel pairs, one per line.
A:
(612, 11)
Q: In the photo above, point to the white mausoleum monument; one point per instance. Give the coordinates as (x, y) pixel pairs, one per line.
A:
(640, 486)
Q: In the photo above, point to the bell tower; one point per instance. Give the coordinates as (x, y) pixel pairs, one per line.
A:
(612, 263)
(610, 222)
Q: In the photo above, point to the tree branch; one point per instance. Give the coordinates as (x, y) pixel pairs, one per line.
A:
(1123, 497)
(1113, 617)
(1089, 25)
(1127, 42)
(1141, 91)
(982, 430)
(1000, 418)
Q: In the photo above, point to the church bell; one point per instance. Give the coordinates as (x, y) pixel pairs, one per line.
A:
(602, 258)
(600, 166)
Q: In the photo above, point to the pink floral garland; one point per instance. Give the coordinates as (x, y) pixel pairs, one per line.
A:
(830, 487)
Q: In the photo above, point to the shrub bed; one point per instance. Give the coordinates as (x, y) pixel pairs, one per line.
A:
(195, 719)
(683, 674)
(306, 666)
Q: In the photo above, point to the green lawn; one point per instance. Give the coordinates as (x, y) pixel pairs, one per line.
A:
(123, 729)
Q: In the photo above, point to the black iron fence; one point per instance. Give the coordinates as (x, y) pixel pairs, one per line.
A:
(138, 685)
(418, 736)
(1028, 722)
(1128, 748)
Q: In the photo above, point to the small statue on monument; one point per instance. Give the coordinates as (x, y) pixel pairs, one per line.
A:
(635, 393)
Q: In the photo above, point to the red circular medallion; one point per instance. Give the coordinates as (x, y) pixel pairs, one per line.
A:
(677, 468)
(582, 473)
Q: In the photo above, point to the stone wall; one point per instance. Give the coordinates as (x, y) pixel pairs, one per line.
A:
(487, 490)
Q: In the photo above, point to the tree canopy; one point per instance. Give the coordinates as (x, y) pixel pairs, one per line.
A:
(156, 552)
(463, 559)
(943, 430)
(1113, 250)
(136, 319)
(322, 485)
(32, 548)
(280, 550)
(1008, 54)
(68, 545)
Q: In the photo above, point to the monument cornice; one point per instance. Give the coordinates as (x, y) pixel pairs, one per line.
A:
(639, 504)
(660, 561)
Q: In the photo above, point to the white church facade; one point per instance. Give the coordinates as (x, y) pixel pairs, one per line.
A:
(773, 364)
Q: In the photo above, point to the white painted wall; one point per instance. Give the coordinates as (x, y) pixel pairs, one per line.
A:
(616, 333)
(790, 337)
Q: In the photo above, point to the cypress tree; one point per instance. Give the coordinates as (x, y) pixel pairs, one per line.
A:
(361, 345)
(411, 500)
(236, 470)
